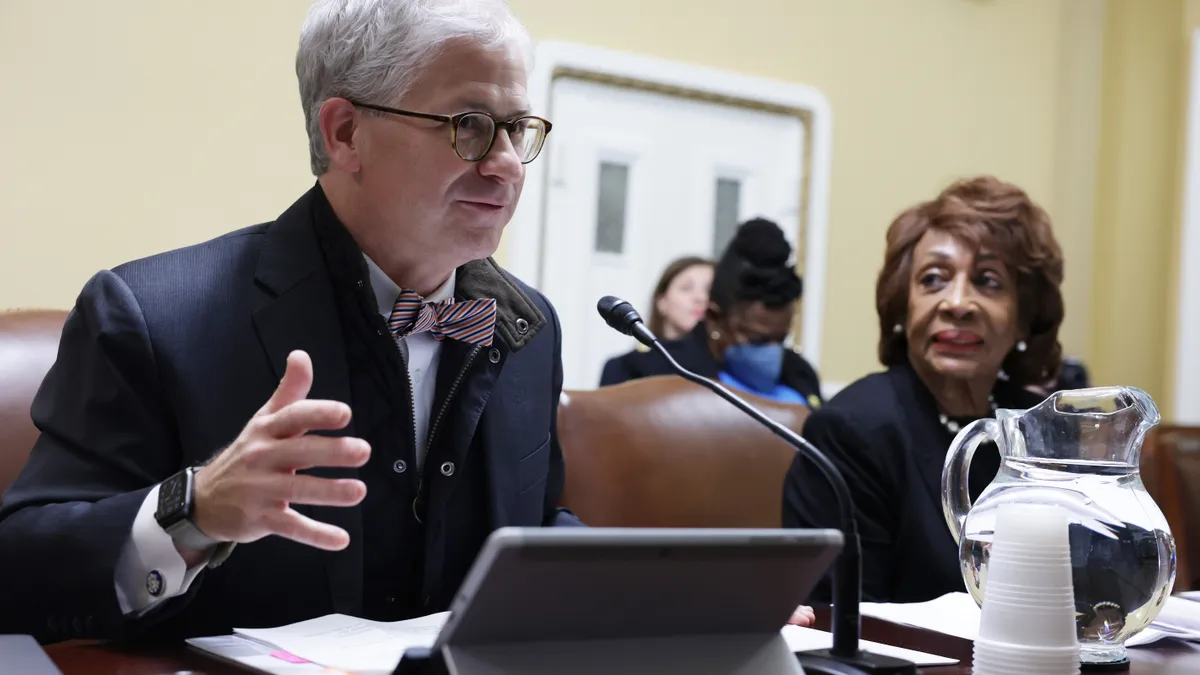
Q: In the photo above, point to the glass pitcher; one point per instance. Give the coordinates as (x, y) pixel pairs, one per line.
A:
(1081, 450)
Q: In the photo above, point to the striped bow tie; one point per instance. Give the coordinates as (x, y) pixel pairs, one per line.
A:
(473, 321)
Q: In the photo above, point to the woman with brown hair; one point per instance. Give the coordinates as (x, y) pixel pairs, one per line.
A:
(680, 297)
(969, 308)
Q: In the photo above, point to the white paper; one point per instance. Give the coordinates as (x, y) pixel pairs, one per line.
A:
(806, 639)
(350, 643)
(952, 614)
(252, 655)
(957, 614)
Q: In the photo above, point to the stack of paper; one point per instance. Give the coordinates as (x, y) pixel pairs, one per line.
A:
(335, 641)
(957, 614)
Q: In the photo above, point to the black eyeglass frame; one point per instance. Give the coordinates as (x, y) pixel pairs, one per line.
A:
(453, 120)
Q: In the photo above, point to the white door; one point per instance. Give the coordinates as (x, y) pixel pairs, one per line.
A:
(637, 179)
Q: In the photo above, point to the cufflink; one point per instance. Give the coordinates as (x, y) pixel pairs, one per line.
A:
(154, 583)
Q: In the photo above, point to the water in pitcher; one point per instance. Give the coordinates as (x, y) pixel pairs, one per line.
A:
(1123, 560)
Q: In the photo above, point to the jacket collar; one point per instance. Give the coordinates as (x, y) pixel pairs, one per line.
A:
(292, 253)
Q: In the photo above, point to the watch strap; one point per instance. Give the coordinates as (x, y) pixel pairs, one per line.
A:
(185, 532)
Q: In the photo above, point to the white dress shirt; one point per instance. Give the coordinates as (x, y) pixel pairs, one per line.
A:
(148, 559)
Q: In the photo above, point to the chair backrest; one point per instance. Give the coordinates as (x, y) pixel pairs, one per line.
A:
(28, 347)
(1171, 472)
(665, 452)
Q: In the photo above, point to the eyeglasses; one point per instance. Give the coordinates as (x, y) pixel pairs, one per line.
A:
(472, 134)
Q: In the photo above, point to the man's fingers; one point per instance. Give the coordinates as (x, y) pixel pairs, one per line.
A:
(299, 488)
(306, 452)
(803, 616)
(291, 525)
(296, 382)
(303, 416)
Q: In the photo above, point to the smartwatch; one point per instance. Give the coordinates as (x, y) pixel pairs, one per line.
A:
(175, 509)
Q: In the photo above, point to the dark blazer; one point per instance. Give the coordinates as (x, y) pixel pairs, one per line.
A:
(884, 434)
(693, 353)
(164, 360)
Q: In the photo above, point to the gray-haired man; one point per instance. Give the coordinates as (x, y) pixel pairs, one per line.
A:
(356, 378)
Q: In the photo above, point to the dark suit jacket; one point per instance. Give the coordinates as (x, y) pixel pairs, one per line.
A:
(164, 360)
(883, 433)
(693, 353)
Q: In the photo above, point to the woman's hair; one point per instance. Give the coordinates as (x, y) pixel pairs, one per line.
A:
(987, 213)
(755, 268)
(657, 320)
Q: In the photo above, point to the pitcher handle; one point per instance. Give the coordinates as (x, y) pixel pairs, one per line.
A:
(956, 495)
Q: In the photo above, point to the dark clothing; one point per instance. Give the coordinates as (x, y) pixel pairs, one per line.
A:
(163, 361)
(693, 353)
(884, 434)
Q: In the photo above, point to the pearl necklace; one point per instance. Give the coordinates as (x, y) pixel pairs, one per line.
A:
(954, 427)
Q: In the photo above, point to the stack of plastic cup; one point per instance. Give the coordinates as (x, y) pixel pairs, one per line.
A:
(1027, 623)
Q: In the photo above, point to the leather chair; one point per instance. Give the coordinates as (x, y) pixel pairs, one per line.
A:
(28, 347)
(1171, 473)
(664, 452)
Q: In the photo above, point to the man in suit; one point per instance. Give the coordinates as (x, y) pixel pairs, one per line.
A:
(329, 412)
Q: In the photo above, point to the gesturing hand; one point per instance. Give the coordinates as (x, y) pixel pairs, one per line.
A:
(803, 616)
(245, 493)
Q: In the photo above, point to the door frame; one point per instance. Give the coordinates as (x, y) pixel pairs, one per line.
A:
(553, 60)
(1186, 371)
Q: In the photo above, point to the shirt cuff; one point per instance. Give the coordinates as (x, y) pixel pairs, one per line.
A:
(149, 568)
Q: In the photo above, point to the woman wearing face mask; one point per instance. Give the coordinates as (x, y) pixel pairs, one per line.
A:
(740, 342)
(969, 309)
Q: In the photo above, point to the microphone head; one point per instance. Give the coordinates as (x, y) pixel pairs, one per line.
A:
(618, 314)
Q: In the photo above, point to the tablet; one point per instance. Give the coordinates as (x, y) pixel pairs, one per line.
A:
(572, 584)
(22, 654)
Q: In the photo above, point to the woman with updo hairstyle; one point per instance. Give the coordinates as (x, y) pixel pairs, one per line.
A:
(740, 342)
(969, 307)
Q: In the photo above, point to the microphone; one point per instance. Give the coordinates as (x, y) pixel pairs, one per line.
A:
(844, 657)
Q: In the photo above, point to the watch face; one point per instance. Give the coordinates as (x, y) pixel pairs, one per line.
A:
(172, 499)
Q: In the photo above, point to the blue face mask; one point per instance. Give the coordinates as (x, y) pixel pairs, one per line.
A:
(758, 366)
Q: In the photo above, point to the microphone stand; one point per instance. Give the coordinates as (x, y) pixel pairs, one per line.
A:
(844, 657)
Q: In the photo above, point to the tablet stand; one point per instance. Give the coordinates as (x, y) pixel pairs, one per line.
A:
(694, 655)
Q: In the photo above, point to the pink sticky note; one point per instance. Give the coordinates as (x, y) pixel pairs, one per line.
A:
(290, 658)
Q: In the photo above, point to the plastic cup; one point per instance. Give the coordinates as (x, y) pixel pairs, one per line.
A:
(1029, 601)
(1037, 603)
(1047, 554)
(1022, 624)
(1031, 523)
(1035, 546)
(1013, 574)
(997, 657)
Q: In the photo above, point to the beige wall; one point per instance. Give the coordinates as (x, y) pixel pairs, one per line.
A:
(1137, 214)
(131, 126)
(922, 91)
(137, 125)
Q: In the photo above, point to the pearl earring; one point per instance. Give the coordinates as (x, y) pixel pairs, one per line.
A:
(1021, 346)
(715, 335)
(897, 329)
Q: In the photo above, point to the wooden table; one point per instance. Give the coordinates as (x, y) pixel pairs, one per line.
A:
(82, 658)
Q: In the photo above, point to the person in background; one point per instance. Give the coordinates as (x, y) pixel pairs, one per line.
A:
(970, 285)
(680, 297)
(679, 301)
(752, 302)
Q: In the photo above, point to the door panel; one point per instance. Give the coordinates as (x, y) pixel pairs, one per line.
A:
(672, 173)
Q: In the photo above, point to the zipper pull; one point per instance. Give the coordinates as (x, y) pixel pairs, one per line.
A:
(415, 510)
